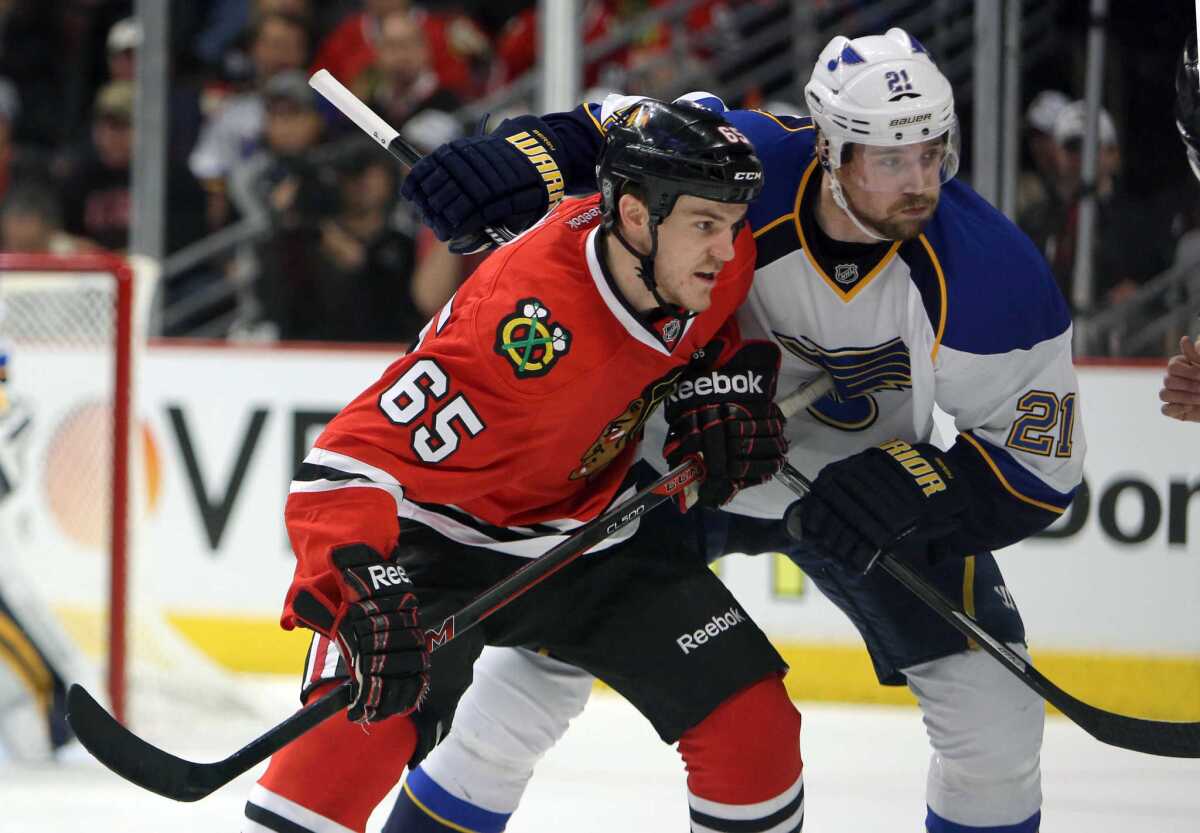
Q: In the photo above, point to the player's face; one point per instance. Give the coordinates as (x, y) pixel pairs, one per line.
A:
(894, 189)
(694, 243)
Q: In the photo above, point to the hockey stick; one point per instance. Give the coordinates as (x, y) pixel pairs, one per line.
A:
(160, 772)
(1154, 737)
(370, 122)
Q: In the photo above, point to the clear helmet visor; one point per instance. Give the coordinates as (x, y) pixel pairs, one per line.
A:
(901, 169)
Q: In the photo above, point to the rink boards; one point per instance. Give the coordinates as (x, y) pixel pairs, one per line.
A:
(1111, 602)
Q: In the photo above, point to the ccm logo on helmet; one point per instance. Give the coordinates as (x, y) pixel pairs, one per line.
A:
(716, 626)
(748, 382)
(387, 576)
(748, 175)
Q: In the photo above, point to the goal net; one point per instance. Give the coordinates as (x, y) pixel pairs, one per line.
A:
(75, 330)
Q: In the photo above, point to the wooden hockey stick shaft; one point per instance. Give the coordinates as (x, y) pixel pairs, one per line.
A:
(168, 775)
(1153, 737)
(371, 123)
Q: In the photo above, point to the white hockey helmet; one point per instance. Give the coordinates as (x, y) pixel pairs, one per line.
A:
(882, 91)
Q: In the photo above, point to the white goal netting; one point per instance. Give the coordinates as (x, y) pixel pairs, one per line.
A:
(73, 331)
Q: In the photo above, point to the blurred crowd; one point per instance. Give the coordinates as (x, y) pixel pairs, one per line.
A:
(296, 212)
(320, 248)
(1135, 238)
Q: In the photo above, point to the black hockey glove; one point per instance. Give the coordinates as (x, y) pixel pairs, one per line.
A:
(508, 178)
(893, 498)
(378, 631)
(729, 417)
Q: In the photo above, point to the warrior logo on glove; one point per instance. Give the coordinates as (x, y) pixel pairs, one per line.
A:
(899, 497)
(916, 465)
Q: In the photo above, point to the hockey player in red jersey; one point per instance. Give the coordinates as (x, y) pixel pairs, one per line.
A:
(516, 418)
(875, 266)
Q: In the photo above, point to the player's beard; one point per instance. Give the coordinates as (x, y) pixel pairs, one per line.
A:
(893, 224)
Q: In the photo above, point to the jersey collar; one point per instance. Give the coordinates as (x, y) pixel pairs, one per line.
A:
(846, 267)
(657, 330)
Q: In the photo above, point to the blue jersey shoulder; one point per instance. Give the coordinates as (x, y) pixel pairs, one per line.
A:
(1000, 292)
(785, 146)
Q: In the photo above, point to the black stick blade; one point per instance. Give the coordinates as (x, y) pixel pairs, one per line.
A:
(161, 772)
(1153, 737)
(1167, 738)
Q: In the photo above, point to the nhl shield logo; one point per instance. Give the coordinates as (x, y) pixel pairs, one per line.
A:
(671, 331)
(845, 273)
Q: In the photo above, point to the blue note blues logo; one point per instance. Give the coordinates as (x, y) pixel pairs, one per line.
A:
(857, 372)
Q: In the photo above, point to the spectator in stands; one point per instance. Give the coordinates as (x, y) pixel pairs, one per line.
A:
(459, 50)
(31, 222)
(96, 196)
(1129, 244)
(402, 87)
(285, 183)
(223, 24)
(1039, 181)
(371, 287)
(516, 45)
(124, 38)
(184, 114)
(279, 43)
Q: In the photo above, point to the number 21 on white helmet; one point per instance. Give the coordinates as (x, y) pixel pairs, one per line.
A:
(881, 101)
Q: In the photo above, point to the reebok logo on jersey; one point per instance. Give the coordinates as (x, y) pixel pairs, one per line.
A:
(542, 161)
(748, 382)
(584, 219)
(387, 576)
(926, 476)
(716, 626)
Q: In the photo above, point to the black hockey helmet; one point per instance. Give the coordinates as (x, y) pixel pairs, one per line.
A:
(673, 149)
(1187, 101)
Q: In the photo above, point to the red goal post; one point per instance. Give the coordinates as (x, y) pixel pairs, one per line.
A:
(67, 319)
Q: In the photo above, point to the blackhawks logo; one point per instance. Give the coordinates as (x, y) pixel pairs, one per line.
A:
(530, 340)
(625, 427)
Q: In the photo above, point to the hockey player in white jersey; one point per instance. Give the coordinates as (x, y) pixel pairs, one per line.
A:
(876, 267)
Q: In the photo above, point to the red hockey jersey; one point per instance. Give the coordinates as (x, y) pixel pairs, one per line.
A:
(516, 416)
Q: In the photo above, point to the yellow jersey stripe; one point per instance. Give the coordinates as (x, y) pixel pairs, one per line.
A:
(987, 458)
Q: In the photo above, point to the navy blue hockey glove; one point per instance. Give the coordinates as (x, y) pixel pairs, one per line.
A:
(378, 631)
(729, 417)
(508, 178)
(894, 498)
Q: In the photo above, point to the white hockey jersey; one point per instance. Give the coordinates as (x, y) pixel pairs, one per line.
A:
(966, 317)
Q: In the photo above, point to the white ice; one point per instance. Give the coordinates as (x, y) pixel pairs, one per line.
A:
(864, 771)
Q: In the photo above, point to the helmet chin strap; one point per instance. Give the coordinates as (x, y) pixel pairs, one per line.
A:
(645, 270)
(835, 187)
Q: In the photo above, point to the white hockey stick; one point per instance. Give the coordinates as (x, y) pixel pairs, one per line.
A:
(370, 122)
